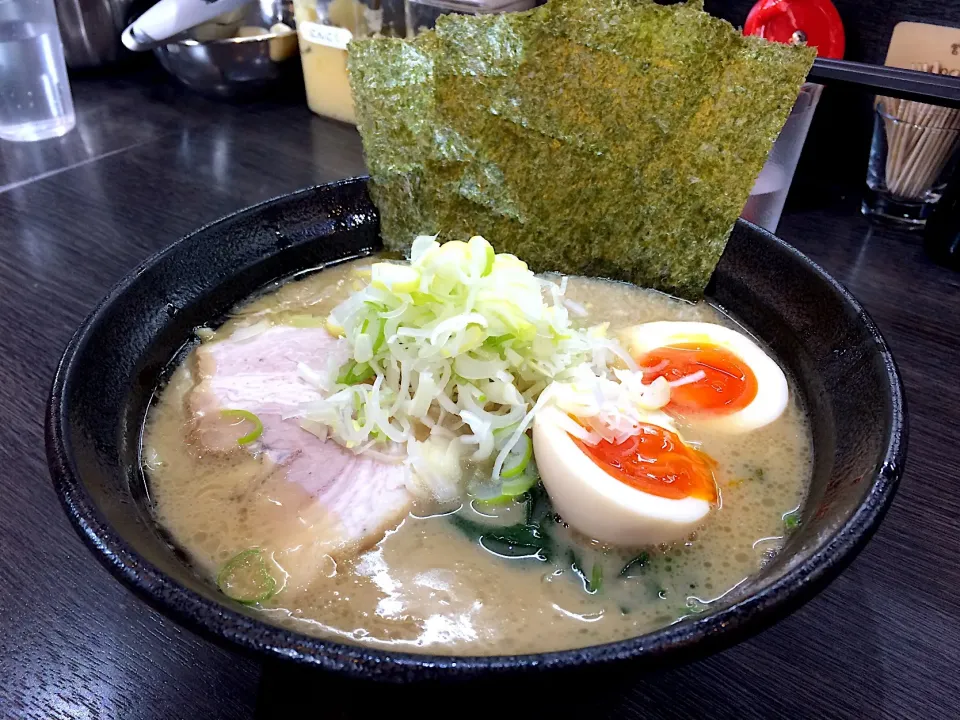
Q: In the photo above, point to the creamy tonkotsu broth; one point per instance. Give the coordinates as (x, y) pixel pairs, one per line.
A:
(429, 585)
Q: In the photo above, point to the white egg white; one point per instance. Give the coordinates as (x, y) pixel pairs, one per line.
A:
(772, 391)
(598, 505)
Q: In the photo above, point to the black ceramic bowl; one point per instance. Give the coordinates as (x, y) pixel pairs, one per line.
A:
(117, 358)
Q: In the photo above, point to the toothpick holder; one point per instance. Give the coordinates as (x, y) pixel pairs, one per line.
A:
(912, 155)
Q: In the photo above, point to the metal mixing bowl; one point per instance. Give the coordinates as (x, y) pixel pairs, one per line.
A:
(237, 67)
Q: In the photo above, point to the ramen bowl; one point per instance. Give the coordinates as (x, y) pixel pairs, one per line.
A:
(125, 349)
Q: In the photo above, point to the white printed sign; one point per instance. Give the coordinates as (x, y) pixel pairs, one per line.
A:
(335, 37)
(923, 43)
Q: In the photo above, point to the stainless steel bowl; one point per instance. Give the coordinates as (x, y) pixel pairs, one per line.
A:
(235, 67)
(91, 29)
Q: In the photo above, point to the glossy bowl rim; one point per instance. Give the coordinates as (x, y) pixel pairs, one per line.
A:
(191, 42)
(219, 622)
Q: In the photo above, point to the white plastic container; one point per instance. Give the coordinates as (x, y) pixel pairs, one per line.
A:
(765, 204)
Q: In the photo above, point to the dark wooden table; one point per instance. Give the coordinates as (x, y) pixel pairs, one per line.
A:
(149, 162)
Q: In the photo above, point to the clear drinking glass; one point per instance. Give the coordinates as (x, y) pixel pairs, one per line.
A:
(912, 155)
(35, 99)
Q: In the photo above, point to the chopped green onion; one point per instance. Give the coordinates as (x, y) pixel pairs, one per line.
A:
(592, 584)
(511, 490)
(574, 562)
(245, 578)
(596, 577)
(498, 341)
(518, 486)
(482, 252)
(381, 336)
(245, 416)
(491, 258)
(517, 459)
(395, 278)
(791, 521)
(354, 373)
(419, 334)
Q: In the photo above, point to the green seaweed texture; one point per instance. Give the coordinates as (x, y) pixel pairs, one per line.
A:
(615, 138)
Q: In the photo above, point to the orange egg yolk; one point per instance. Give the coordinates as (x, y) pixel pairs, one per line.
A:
(658, 462)
(728, 383)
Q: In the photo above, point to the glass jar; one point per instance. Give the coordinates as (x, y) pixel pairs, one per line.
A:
(326, 26)
(913, 154)
(420, 15)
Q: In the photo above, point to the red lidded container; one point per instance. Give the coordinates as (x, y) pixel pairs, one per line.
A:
(815, 22)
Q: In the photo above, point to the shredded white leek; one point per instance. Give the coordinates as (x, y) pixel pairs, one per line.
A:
(450, 355)
(607, 409)
(248, 332)
(689, 379)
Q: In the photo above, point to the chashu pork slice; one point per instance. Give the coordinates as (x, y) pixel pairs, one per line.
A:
(317, 502)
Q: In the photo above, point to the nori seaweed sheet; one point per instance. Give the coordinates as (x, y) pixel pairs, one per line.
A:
(615, 138)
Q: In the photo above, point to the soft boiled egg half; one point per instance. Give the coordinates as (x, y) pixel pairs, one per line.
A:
(717, 375)
(651, 488)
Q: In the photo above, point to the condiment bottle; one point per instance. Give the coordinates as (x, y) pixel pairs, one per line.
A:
(324, 28)
(814, 22)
